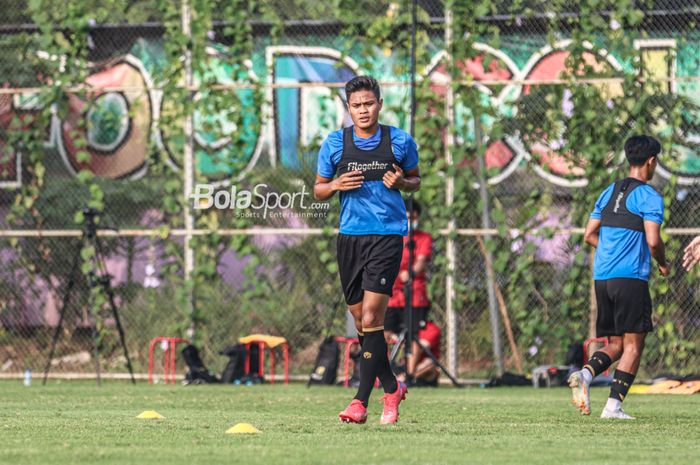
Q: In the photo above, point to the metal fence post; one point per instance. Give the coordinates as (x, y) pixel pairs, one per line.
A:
(449, 200)
(188, 162)
(486, 224)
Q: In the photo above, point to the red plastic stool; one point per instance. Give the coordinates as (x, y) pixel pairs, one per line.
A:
(169, 357)
(265, 341)
(587, 342)
(348, 341)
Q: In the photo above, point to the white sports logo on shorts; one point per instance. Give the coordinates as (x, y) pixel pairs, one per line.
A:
(382, 281)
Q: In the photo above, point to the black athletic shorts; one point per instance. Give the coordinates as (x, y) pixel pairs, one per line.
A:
(624, 306)
(368, 263)
(396, 319)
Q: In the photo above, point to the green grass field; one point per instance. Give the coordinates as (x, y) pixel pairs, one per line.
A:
(76, 422)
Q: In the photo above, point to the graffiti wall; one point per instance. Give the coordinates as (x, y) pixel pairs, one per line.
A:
(284, 128)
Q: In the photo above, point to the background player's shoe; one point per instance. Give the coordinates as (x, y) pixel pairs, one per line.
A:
(616, 414)
(579, 392)
(355, 413)
(390, 414)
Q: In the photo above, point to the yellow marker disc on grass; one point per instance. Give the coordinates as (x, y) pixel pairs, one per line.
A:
(242, 428)
(150, 415)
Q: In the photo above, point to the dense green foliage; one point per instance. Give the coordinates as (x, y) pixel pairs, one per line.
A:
(293, 290)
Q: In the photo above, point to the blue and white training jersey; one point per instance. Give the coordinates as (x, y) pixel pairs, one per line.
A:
(623, 252)
(371, 208)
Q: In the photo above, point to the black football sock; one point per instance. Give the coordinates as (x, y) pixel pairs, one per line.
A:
(621, 384)
(373, 351)
(384, 372)
(598, 363)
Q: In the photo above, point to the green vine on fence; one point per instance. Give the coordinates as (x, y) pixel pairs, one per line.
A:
(59, 58)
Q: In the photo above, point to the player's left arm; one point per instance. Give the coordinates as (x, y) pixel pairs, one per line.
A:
(403, 179)
(651, 208)
(407, 182)
(652, 231)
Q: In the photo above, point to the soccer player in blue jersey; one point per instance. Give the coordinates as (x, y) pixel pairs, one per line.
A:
(373, 163)
(625, 230)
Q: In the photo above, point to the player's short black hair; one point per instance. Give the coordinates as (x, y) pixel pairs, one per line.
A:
(638, 149)
(416, 206)
(362, 83)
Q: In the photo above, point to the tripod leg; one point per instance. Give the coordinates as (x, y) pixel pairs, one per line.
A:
(437, 362)
(105, 281)
(120, 329)
(95, 333)
(96, 351)
(397, 346)
(62, 313)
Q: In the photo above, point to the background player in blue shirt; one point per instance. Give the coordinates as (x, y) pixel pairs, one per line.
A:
(373, 163)
(625, 230)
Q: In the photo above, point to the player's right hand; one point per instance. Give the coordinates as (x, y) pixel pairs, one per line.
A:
(664, 270)
(348, 181)
(691, 257)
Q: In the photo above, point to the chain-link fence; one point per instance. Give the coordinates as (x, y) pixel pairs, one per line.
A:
(94, 107)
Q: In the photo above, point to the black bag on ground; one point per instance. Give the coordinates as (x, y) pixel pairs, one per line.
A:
(354, 380)
(574, 355)
(509, 379)
(235, 368)
(326, 364)
(198, 373)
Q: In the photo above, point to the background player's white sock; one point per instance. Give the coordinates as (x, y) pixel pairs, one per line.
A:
(613, 404)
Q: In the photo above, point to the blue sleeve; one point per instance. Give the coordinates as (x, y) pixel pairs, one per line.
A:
(602, 201)
(326, 165)
(648, 204)
(409, 159)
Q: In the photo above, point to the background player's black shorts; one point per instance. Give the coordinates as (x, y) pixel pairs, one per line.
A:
(624, 306)
(368, 263)
(396, 319)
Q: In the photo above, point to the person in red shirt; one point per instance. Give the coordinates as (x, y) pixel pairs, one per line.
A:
(424, 369)
(395, 319)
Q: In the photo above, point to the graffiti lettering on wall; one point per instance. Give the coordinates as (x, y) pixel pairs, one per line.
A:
(119, 124)
(123, 126)
(300, 114)
(218, 158)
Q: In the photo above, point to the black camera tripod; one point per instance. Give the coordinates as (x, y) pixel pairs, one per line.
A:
(97, 277)
(406, 337)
